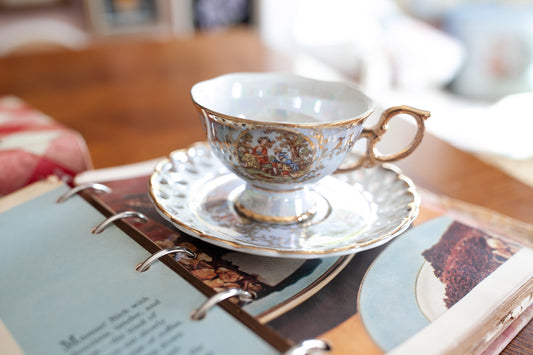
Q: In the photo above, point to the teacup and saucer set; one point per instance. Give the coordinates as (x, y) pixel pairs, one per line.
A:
(278, 176)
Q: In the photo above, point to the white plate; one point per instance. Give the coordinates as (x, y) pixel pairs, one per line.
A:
(362, 209)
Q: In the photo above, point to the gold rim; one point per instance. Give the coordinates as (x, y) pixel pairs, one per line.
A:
(369, 109)
(219, 115)
(273, 219)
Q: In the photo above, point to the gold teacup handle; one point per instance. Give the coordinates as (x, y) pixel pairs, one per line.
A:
(373, 135)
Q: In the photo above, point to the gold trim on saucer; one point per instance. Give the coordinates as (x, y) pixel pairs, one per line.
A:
(391, 218)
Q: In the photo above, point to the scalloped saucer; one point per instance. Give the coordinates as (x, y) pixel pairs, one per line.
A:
(361, 209)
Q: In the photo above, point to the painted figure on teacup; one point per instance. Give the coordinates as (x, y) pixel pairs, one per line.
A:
(276, 155)
(284, 165)
(260, 151)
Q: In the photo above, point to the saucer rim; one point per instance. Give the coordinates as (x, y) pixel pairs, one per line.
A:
(414, 209)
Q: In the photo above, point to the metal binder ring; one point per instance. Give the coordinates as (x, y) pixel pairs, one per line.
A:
(100, 228)
(200, 312)
(311, 346)
(145, 265)
(75, 190)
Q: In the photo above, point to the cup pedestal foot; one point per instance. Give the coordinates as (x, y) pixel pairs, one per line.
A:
(278, 207)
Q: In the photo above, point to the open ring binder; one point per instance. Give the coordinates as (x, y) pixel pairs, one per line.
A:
(75, 190)
(139, 310)
(126, 214)
(311, 346)
(200, 312)
(145, 265)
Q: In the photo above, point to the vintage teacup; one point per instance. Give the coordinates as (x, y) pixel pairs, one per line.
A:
(281, 133)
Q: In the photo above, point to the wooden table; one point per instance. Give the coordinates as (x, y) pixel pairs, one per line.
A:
(130, 100)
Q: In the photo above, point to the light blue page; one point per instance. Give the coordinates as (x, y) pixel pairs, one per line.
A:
(64, 290)
(387, 300)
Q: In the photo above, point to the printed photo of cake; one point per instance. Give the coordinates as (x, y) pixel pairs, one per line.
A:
(463, 257)
(419, 276)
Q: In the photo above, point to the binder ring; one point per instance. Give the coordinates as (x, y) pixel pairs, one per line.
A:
(200, 312)
(311, 346)
(75, 190)
(100, 228)
(145, 265)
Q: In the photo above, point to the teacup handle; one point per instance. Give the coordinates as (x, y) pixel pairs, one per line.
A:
(373, 135)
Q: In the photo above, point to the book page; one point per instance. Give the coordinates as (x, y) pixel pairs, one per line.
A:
(67, 291)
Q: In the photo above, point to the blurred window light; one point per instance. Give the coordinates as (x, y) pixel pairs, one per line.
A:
(334, 21)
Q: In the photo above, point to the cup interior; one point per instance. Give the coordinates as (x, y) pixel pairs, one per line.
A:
(281, 98)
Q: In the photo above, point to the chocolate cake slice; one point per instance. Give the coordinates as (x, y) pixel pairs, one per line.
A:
(463, 257)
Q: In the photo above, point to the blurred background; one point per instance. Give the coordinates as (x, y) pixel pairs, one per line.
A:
(470, 62)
